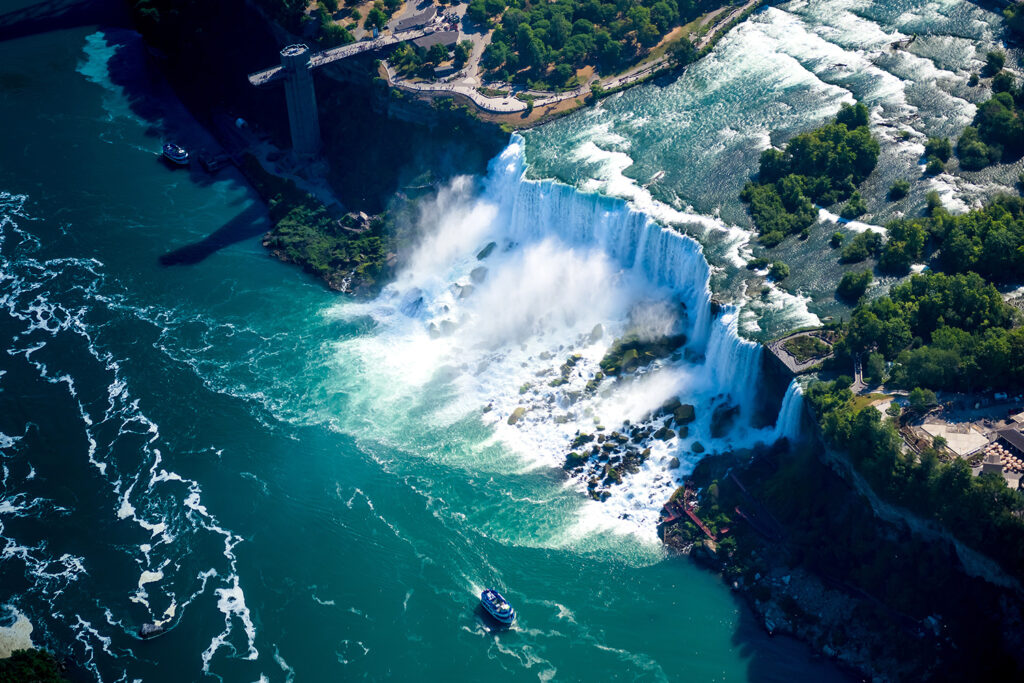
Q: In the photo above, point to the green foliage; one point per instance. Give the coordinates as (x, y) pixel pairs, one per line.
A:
(631, 352)
(836, 240)
(935, 166)
(462, 51)
(376, 18)
(535, 42)
(778, 271)
(938, 147)
(874, 368)
(806, 347)
(437, 53)
(863, 246)
(853, 285)
(994, 61)
(899, 190)
(823, 166)
(988, 241)
(997, 131)
(855, 207)
(942, 332)
(30, 666)
(981, 511)
(1014, 14)
(922, 399)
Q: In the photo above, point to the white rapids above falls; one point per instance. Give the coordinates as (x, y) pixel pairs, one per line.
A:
(511, 300)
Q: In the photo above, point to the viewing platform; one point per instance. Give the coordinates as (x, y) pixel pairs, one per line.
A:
(325, 57)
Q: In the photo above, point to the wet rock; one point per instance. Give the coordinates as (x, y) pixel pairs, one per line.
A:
(433, 330)
(575, 461)
(516, 415)
(722, 420)
(697, 447)
(478, 274)
(486, 251)
(596, 333)
(664, 434)
(684, 414)
(447, 327)
(581, 439)
(673, 464)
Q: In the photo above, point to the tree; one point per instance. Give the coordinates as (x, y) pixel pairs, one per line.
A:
(683, 52)
(376, 18)
(935, 166)
(922, 399)
(938, 147)
(875, 368)
(994, 61)
(778, 271)
(853, 116)
(855, 207)
(437, 53)
(853, 285)
(462, 51)
(899, 189)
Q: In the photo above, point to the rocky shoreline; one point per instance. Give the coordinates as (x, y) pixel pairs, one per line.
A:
(810, 559)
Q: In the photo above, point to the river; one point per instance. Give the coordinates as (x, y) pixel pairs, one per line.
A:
(306, 487)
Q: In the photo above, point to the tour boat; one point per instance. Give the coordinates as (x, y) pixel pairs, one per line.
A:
(176, 154)
(497, 606)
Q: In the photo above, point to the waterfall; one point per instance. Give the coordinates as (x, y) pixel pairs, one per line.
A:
(663, 256)
(791, 412)
(512, 300)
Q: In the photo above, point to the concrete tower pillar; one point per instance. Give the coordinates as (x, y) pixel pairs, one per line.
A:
(298, 90)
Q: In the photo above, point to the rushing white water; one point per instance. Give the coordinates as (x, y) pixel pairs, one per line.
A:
(515, 332)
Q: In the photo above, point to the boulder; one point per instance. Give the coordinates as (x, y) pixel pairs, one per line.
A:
(516, 415)
(697, 447)
(575, 460)
(664, 434)
(486, 251)
(673, 464)
(684, 414)
(596, 333)
(478, 274)
(722, 420)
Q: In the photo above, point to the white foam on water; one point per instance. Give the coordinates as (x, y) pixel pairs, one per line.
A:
(95, 66)
(522, 341)
(53, 300)
(17, 636)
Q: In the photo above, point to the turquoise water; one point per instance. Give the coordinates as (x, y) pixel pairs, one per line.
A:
(212, 447)
(306, 487)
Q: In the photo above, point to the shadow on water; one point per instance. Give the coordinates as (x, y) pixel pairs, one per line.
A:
(252, 222)
(781, 659)
(56, 15)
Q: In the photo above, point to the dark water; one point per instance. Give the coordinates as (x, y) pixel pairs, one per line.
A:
(185, 444)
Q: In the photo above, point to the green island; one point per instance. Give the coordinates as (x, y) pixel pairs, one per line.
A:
(997, 132)
(822, 167)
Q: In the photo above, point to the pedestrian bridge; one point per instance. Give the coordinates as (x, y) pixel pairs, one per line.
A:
(335, 53)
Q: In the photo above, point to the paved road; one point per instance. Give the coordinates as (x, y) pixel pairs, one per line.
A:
(467, 83)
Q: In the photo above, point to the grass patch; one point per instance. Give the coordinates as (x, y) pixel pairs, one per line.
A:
(806, 347)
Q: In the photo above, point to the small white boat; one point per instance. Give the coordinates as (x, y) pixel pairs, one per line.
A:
(176, 154)
(497, 606)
